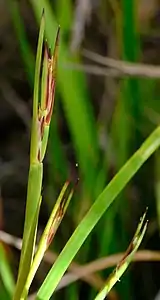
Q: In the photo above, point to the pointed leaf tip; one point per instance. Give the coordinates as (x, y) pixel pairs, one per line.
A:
(42, 17)
(43, 12)
(57, 41)
(58, 34)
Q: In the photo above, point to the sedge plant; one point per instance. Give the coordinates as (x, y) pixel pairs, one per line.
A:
(43, 102)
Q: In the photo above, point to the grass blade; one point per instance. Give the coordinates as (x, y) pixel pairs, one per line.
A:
(34, 183)
(126, 136)
(49, 233)
(102, 203)
(124, 263)
(42, 112)
(5, 272)
(157, 184)
(75, 103)
(26, 51)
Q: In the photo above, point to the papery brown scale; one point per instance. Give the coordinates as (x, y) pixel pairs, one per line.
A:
(50, 108)
(50, 79)
(48, 88)
(39, 155)
(53, 230)
(50, 237)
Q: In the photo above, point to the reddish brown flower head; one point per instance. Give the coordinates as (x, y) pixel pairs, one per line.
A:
(50, 65)
(51, 79)
(48, 84)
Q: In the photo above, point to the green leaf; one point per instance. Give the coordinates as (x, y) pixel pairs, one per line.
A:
(102, 203)
(125, 261)
(5, 272)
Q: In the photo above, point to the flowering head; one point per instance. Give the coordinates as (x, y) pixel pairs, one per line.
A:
(43, 96)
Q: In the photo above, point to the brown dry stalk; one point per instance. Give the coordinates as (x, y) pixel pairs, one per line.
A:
(82, 272)
(85, 272)
(123, 67)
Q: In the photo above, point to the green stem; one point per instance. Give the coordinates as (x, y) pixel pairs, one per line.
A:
(30, 226)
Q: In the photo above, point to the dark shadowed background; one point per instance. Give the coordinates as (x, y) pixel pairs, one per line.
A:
(104, 110)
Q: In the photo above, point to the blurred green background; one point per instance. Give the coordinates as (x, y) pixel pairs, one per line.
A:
(101, 116)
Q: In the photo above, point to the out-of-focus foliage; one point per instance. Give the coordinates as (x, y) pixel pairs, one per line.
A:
(98, 122)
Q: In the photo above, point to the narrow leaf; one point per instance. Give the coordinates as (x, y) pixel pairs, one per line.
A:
(49, 232)
(125, 261)
(6, 273)
(102, 203)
